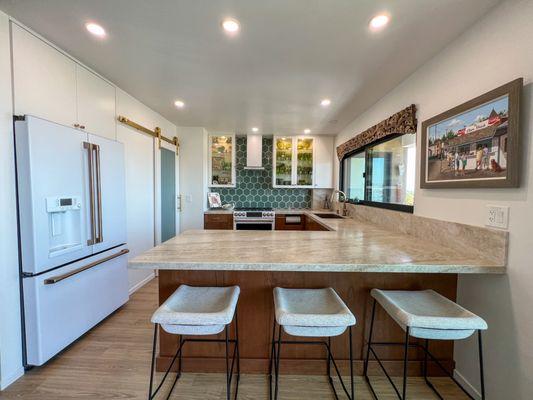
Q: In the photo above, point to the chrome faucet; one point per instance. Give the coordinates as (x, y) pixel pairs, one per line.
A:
(340, 192)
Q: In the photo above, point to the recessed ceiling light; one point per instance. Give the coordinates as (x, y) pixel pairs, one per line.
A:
(379, 21)
(231, 25)
(179, 104)
(255, 129)
(95, 29)
(306, 131)
(325, 102)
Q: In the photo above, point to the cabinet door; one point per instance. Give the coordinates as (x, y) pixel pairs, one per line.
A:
(222, 161)
(44, 79)
(218, 221)
(110, 193)
(96, 104)
(283, 161)
(304, 162)
(324, 150)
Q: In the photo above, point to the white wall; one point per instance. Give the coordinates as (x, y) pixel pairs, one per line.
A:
(496, 50)
(10, 344)
(193, 176)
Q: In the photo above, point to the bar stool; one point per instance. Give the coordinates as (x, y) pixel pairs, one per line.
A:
(426, 315)
(310, 313)
(198, 311)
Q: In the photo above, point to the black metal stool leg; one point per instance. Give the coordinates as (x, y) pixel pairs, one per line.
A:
(481, 373)
(228, 388)
(277, 364)
(272, 358)
(153, 362)
(405, 360)
(365, 371)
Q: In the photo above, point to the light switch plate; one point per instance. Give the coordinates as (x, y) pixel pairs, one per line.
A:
(497, 216)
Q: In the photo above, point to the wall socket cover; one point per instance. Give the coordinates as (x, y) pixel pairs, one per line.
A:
(497, 216)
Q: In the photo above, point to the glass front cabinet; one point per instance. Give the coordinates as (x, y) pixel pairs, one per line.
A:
(221, 161)
(293, 162)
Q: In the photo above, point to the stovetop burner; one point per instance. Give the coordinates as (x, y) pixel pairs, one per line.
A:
(254, 209)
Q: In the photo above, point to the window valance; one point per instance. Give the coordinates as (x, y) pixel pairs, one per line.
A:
(402, 122)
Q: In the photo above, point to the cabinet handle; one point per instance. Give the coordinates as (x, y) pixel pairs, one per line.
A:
(76, 125)
(82, 126)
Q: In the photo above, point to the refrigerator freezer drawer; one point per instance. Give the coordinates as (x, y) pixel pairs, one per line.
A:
(63, 304)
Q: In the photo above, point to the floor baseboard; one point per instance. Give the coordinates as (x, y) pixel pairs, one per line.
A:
(8, 380)
(140, 284)
(466, 384)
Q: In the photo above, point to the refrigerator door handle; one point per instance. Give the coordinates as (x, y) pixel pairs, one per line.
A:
(55, 279)
(100, 236)
(90, 148)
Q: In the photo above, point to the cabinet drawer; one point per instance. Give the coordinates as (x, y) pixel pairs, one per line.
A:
(218, 221)
(290, 222)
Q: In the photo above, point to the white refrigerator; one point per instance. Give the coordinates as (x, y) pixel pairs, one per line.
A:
(72, 227)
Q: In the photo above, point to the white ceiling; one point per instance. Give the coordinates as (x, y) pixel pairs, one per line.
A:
(288, 56)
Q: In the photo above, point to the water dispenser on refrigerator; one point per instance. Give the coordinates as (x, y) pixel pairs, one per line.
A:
(64, 224)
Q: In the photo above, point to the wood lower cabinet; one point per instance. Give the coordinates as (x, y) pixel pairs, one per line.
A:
(290, 222)
(218, 221)
(297, 222)
(312, 225)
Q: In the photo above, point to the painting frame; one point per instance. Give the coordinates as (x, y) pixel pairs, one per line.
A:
(512, 92)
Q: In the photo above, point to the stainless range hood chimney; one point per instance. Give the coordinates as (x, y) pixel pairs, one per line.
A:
(254, 152)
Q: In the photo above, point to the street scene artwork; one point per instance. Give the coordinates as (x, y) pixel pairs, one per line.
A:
(471, 145)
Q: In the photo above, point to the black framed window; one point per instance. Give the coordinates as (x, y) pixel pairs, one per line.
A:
(382, 174)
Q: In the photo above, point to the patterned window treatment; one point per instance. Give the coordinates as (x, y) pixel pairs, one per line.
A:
(402, 122)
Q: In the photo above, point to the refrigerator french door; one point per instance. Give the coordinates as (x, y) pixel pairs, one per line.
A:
(71, 203)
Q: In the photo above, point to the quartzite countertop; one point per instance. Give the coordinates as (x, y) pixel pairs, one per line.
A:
(351, 245)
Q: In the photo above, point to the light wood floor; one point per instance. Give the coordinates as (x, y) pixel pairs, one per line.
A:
(113, 362)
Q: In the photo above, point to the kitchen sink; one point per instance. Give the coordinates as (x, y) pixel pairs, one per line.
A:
(328, 215)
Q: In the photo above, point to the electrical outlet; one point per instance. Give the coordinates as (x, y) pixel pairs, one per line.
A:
(497, 216)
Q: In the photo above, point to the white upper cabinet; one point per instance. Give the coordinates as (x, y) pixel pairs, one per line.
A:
(44, 79)
(302, 162)
(96, 104)
(293, 162)
(324, 153)
(52, 86)
(221, 161)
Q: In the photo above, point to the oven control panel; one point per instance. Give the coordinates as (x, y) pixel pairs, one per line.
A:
(254, 214)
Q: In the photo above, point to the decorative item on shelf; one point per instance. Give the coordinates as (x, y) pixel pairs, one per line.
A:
(476, 144)
(214, 200)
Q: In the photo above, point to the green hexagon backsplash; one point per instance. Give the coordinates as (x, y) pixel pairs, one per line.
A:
(254, 187)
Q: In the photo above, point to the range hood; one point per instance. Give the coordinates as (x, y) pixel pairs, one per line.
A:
(254, 152)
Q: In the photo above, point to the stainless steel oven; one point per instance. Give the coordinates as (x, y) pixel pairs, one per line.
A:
(254, 219)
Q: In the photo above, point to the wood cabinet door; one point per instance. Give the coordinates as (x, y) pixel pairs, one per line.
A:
(218, 221)
(44, 79)
(96, 104)
(312, 225)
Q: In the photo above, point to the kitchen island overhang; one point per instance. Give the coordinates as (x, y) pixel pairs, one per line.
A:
(353, 257)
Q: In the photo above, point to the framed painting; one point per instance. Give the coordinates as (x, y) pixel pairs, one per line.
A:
(476, 144)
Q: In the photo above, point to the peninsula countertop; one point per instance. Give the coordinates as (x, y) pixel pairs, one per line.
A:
(350, 245)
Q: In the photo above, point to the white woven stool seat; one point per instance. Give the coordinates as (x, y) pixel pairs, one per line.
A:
(311, 312)
(428, 314)
(197, 310)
